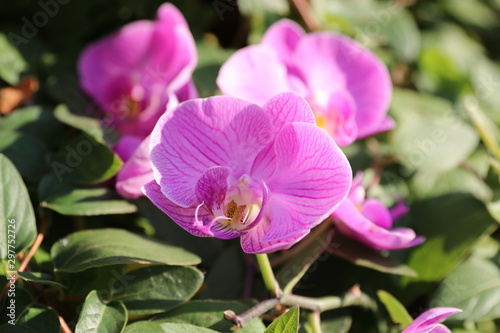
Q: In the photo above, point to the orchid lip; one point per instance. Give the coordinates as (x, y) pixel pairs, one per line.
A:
(236, 217)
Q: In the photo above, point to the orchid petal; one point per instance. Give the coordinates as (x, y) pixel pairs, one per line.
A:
(184, 217)
(340, 116)
(247, 75)
(126, 146)
(203, 133)
(105, 60)
(173, 55)
(282, 109)
(211, 187)
(252, 241)
(334, 62)
(283, 37)
(312, 177)
(135, 173)
(429, 319)
(376, 212)
(352, 223)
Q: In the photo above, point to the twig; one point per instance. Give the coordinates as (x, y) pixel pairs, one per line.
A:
(353, 297)
(64, 326)
(307, 14)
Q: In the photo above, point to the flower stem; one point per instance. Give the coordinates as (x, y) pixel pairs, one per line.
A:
(267, 274)
(314, 321)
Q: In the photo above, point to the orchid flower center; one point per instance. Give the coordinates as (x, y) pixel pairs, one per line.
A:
(241, 208)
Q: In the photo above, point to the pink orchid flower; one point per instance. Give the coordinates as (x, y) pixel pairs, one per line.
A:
(430, 321)
(347, 86)
(370, 222)
(135, 75)
(135, 172)
(227, 168)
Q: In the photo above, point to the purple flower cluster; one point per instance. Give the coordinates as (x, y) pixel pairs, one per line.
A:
(263, 162)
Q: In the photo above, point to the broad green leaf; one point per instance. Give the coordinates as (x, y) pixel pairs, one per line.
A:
(473, 287)
(473, 12)
(485, 77)
(99, 317)
(17, 225)
(403, 34)
(88, 125)
(452, 225)
(360, 255)
(208, 248)
(29, 316)
(429, 135)
(430, 184)
(396, 310)
(155, 289)
(209, 314)
(291, 273)
(102, 247)
(68, 200)
(286, 323)
(41, 278)
(184, 328)
(34, 121)
(84, 160)
(26, 152)
(226, 276)
(490, 133)
(338, 324)
(12, 64)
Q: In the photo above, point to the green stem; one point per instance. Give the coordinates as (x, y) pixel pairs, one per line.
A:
(314, 321)
(267, 274)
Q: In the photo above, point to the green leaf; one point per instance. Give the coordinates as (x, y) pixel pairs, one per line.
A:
(403, 35)
(99, 317)
(41, 278)
(429, 135)
(102, 247)
(341, 323)
(84, 160)
(286, 323)
(452, 225)
(184, 328)
(396, 310)
(26, 152)
(291, 273)
(68, 200)
(430, 184)
(155, 289)
(358, 254)
(473, 287)
(34, 121)
(472, 12)
(17, 225)
(226, 276)
(12, 64)
(88, 125)
(490, 133)
(209, 314)
(30, 316)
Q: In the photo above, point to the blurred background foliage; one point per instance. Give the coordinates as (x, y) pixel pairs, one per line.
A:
(443, 158)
